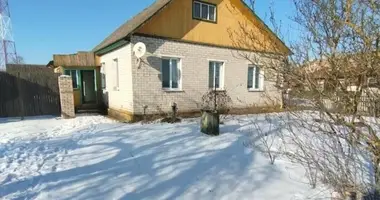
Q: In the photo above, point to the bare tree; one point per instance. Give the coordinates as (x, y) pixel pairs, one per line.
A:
(252, 4)
(264, 138)
(334, 69)
(218, 100)
(341, 54)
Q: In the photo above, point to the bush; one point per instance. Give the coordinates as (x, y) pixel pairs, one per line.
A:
(223, 101)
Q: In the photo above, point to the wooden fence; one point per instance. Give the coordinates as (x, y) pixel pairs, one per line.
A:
(28, 91)
(366, 106)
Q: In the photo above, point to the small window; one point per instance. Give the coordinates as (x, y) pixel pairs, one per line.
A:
(74, 76)
(103, 75)
(215, 75)
(171, 73)
(372, 82)
(204, 11)
(116, 71)
(255, 78)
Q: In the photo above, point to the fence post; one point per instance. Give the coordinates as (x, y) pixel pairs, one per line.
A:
(20, 96)
(66, 96)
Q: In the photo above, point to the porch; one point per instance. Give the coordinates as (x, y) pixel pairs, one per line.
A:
(85, 73)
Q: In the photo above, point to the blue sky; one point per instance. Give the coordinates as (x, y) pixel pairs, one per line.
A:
(42, 28)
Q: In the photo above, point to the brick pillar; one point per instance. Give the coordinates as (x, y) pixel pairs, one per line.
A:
(67, 96)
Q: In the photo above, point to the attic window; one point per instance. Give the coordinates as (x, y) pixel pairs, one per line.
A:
(204, 11)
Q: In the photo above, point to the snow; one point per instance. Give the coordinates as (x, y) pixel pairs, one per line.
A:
(93, 157)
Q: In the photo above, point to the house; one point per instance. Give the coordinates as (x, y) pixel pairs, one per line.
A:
(192, 46)
(347, 71)
(189, 51)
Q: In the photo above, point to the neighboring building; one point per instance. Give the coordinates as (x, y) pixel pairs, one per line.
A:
(190, 50)
(348, 71)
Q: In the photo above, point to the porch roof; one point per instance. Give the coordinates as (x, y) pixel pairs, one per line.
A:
(80, 59)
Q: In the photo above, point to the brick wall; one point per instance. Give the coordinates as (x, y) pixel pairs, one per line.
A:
(147, 86)
(66, 96)
(118, 98)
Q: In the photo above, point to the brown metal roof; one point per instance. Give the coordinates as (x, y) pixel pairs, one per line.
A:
(132, 24)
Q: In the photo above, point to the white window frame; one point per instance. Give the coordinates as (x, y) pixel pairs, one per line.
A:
(103, 72)
(222, 68)
(116, 69)
(208, 11)
(261, 78)
(179, 68)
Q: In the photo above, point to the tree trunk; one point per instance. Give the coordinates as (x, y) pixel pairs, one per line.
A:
(376, 170)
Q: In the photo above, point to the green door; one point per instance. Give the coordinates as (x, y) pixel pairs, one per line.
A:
(88, 86)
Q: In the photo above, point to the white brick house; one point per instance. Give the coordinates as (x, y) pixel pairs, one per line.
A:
(181, 69)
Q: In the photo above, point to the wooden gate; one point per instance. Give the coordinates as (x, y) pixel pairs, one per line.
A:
(27, 90)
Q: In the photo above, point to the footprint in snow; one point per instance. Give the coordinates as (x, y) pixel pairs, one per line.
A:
(39, 166)
(7, 179)
(50, 157)
(18, 155)
(56, 149)
(59, 159)
(41, 148)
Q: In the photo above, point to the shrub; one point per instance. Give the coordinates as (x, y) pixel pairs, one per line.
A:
(223, 101)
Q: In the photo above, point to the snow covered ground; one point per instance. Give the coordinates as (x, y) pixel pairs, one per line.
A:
(93, 157)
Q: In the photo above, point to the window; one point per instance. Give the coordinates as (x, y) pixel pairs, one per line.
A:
(103, 75)
(204, 11)
(171, 74)
(372, 82)
(74, 76)
(116, 71)
(215, 79)
(255, 78)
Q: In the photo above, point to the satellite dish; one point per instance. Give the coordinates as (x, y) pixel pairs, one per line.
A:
(139, 49)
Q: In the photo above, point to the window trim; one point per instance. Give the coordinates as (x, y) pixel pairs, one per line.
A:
(103, 83)
(179, 68)
(117, 78)
(208, 4)
(261, 80)
(222, 77)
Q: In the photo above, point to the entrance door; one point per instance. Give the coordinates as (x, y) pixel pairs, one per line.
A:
(88, 86)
